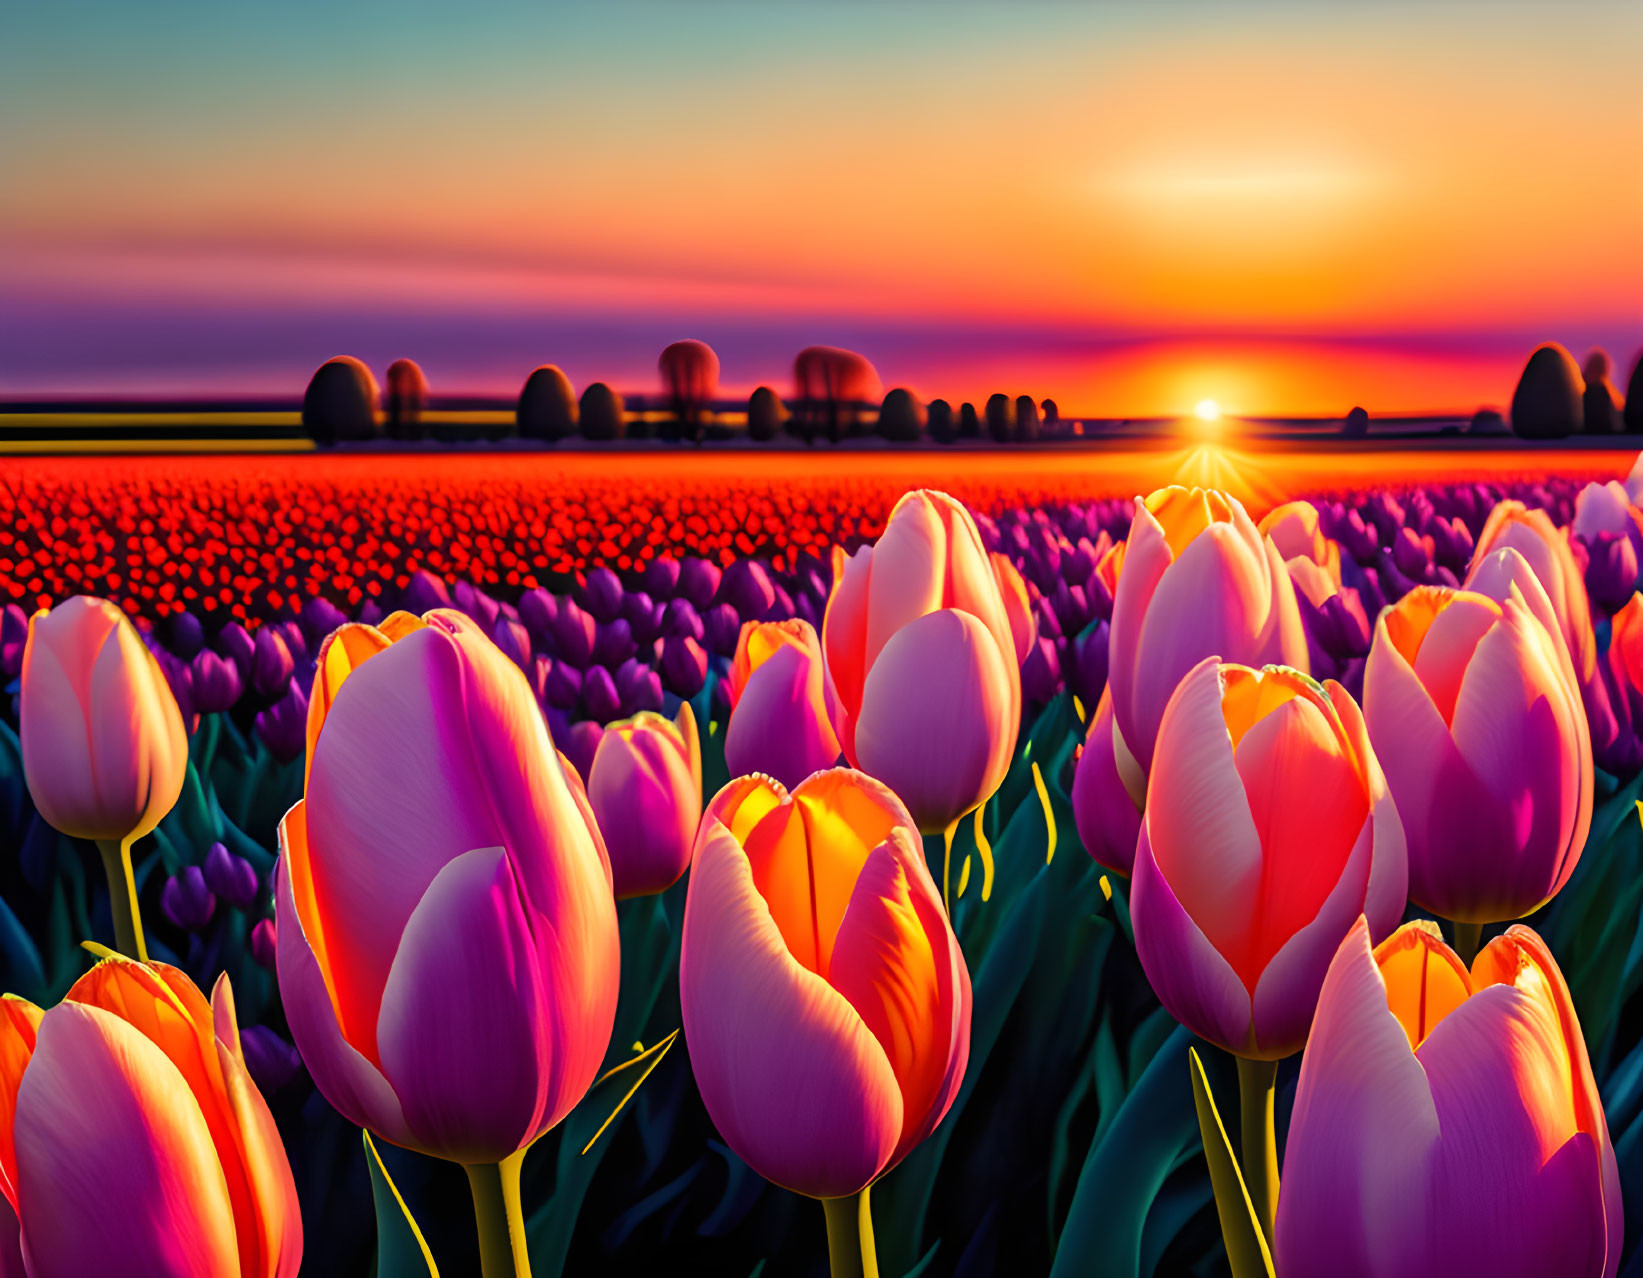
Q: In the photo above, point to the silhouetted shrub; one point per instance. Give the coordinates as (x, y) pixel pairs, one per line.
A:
(765, 414)
(340, 402)
(901, 416)
(1026, 419)
(1546, 404)
(938, 418)
(1000, 418)
(828, 380)
(690, 371)
(1600, 415)
(601, 413)
(969, 421)
(1052, 414)
(547, 405)
(404, 398)
(1356, 425)
(1487, 421)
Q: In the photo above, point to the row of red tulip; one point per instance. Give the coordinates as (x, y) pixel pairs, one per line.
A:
(447, 942)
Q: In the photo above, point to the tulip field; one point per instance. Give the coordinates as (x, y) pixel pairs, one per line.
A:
(1166, 863)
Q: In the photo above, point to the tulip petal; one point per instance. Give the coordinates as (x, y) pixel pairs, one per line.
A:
(1188, 974)
(467, 1034)
(344, 650)
(350, 1082)
(794, 1080)
(844, 641)
(161, 1207)
(55, 737)
(884, 963)
(937, 722)
(1361, 1136)
(1526, 737)
(19, 1024)
(1388, 891)
(1145, 556)
(1199, 825)
(272, 1245)
(1108, 820)
(139, 748)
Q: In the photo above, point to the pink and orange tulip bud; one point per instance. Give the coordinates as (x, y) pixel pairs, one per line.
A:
(1197, 579)
(132, 1139)
(1474, 712)
(779, 721)
(1446, 1120)
(446, 944)
(645, 788)
(104, 749)
(826, 1002)
(921, 655)
(1194, 579)
(1268, 830)
(1546, 548)
(1294, 530)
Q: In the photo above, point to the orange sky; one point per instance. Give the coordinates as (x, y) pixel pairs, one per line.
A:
(1408, 195)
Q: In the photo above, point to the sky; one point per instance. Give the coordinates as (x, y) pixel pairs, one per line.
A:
(1290, 208)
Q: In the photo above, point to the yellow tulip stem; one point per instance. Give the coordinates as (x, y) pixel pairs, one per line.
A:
(851, 1252)
(122, 898)
(1468, 940)
(1257, 1138)
(501, 1223)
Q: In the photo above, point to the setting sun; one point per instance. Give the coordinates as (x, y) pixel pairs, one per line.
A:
(1208, 411)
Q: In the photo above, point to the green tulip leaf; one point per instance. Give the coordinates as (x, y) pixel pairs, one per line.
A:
(402, 1252)
(1247, 1252)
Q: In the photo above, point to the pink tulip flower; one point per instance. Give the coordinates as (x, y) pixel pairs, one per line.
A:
(1018, 605)
(1194, 579)
(132, 1139)
(1546, 548)
(921, 656)
(447, 945)
(1446, 1120)
(826, 1002)
(104, 750)
(645, 788)
(779, 722)
(1473, 711)
(1268, 830)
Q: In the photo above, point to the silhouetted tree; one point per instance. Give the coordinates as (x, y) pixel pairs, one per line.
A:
(1026, 419)
(547, 405)
(1634, 399)
(1487, 421)
(901, 417)
(1546, 404)
(405, 397)
(938, 418)
(1052, 414)
(1000, 417)
(690, 371)
(601, 413)
(1600, 415)
(969, 422)
(765, 414)
(827, 379)
(340, 402)
(1356, 425)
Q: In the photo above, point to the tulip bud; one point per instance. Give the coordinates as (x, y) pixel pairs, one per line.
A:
(447, 947)
(230, 877)
(271, 662)
(236, 643)
(600, 699)
(826, 1002)
(187, 901)
(104, 751)
(1446, 1120)
(283, 726)
(264, 946)
(14, 634)
(1268, 830)
(698, 582)
(215, 683)
(269, 1059)
(135, 1077)
(684, 665)
(423, 593)
(645, 787)
(662, 577)
(779, 723)
(537, 610)
(319, 617)
(922, 660)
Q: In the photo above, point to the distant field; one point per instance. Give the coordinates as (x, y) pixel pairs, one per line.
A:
(249, 535)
